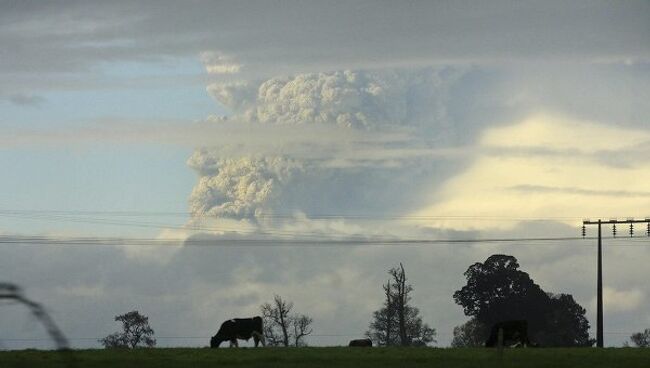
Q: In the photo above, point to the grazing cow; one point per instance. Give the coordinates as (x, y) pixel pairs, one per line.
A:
(515, 334)
(239, 328)
(363, 343)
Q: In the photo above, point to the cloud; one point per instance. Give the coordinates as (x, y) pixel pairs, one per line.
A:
(62, 43)
(580, 191)
(618, 301)
(19, 99)
(556, 133)
(424, 32)
(216, 63)
(338, 285)
(222, 133)
(572, 184)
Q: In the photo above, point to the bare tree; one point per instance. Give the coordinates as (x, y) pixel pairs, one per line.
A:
(135, 332)
(281, 328)
(397, 322)
(401, 298)
(276, 316)
(390, 311)
(301, 328)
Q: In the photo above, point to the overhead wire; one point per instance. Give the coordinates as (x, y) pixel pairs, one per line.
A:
(257, 236)
(293, 216)
(192, 227)
(323, 242)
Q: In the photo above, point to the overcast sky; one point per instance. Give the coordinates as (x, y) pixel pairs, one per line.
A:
(230, 122)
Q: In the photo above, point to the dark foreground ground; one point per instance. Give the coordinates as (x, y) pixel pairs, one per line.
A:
(331, 357)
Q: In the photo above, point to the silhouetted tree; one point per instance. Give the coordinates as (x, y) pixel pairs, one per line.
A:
(641, 339)
(136, 332)
(470, 334)
(497, 291)
(283, 328)
(301, 328)
(566, 325)
(114, 341)
(397, 322)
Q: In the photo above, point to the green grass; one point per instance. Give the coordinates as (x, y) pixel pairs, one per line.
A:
(331, 357)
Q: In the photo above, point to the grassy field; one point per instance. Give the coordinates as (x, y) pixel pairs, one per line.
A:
(331, 357)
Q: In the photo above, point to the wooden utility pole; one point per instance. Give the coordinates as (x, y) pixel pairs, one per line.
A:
(599, 282)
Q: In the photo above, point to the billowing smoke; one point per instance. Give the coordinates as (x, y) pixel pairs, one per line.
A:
(238, 187)
(365, 100)
(246, 186)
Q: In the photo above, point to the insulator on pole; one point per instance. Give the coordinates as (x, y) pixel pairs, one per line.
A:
(614, 230)
(648, 229)
(584, 230)
(631, 230)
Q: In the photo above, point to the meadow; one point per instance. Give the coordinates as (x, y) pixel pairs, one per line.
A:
(330, 357)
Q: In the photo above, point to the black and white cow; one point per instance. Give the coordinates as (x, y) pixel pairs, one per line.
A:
(239, 328)
(515, 334)
(361, 343)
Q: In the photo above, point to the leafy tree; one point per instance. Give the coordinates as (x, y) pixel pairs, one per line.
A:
(136, 332)
(470, 334)
(397, 322)
(281, 327)
(641, 339)
(497, 291)
(114, 341)
(566, 322)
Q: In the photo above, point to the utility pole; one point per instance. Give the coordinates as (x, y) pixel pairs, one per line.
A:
(599, 282)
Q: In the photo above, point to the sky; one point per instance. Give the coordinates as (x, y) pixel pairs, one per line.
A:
(239, 149)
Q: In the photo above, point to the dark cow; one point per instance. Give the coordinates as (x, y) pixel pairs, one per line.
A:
(239, 328)
(364, 343)
(515, 333)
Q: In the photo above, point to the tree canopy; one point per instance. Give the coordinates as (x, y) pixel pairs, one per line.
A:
(497, 290)
(641, 339)
(136, 332)
(470, 334)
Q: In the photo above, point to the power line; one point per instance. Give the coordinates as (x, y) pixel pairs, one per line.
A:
(56, 216)
(77, 216)
(98, 241)
(309, 216)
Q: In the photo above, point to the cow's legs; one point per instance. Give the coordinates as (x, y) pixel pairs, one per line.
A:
(233, 342)
(257, 337)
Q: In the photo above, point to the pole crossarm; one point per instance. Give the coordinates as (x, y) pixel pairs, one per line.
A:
(616, 221)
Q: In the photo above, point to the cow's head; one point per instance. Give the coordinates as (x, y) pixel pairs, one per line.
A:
(215, 341)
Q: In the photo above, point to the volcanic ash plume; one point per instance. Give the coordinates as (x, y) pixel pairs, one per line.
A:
(247, 185)
(345, 98)
(238, 187)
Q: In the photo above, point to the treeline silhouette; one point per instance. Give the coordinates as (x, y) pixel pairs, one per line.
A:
(496, 290)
